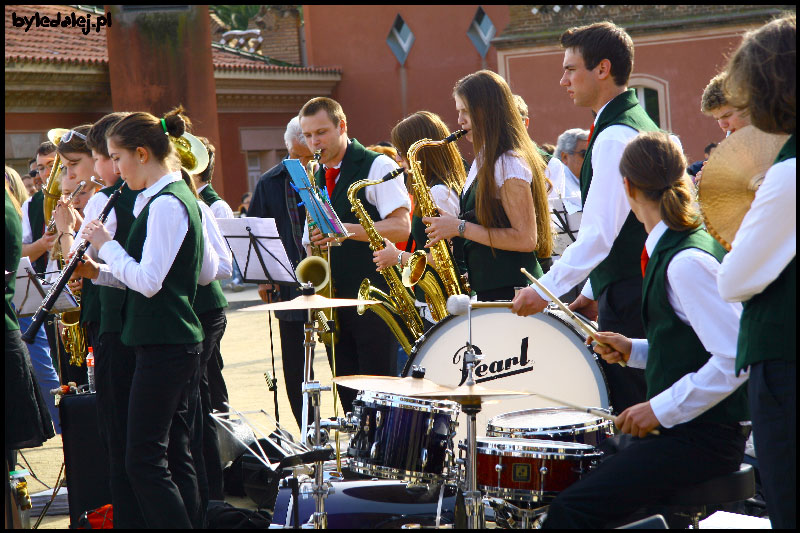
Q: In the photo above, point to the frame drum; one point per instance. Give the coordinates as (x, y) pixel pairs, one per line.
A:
(542, 352)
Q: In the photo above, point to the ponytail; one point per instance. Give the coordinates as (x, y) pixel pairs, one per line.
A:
(657, 167)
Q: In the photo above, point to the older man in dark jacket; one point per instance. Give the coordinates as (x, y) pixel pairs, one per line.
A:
(275, 198)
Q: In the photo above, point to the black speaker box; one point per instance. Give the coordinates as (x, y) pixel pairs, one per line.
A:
(85, 457)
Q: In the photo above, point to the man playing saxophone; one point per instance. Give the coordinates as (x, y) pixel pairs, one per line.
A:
(365, 344)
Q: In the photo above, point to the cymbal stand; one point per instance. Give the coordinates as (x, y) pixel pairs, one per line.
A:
(311, 396)
(472, 497)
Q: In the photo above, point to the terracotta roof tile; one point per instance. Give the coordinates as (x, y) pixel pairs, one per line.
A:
(70, 45)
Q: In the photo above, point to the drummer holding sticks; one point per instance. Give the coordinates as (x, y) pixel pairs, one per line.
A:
(688, 355)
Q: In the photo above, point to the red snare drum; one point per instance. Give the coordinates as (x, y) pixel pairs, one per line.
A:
(530, 470)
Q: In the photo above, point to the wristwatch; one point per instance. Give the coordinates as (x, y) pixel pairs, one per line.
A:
(400, 259)
(461, 227)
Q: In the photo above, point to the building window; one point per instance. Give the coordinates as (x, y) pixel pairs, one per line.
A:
(653, 95)
(648, 99)
(400, 39)
(481, 31)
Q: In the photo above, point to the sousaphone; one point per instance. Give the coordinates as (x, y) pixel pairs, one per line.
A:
(731, 178)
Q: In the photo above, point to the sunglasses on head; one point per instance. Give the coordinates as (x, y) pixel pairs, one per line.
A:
(67, 137)
(33, 173)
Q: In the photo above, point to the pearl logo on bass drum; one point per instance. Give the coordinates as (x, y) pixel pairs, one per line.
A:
(500, 368)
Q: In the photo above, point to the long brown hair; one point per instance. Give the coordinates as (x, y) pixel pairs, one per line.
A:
(441, 163)
(762, 76)
(657, 167)
(497, 128)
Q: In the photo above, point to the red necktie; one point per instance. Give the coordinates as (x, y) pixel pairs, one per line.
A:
(591, 132)
(330, 179)
(645, 259)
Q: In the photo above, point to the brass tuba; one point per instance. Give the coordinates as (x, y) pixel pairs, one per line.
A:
(453, 282)
(399, 302)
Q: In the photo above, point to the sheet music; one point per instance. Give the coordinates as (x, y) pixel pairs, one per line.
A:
(317, 204)
(235, 231)
(30, 292)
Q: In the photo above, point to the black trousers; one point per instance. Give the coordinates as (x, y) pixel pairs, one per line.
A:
(293, 358)
(158, 457)
(620, 310)
(206, 439)
(114, 367)
(772, 393)
(366, 346)
(646, 472)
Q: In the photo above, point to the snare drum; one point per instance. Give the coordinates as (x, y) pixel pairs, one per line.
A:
(402, 438)
(540, 353)
(552, 423)
(530, 470)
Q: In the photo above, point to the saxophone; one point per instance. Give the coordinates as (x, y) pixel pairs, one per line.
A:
(453, 282)
(326, 334)
(399, 302)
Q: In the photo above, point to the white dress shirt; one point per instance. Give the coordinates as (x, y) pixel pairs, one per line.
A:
(767, 238)
(446, 199)
(604, 213)
(692, 293)
(386, 197)
(508, 166)
(217, 241)
(167, 226)
(220, 208)
(27, 234)
(92, 212)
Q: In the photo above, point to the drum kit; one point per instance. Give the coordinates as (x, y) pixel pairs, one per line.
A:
(469, 433)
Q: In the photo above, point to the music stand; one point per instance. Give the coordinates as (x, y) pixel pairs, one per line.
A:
(255, 243)
(30, 291)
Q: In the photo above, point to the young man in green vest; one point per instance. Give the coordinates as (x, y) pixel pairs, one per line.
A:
(688, 355)
(598, 61)
(761, 269)
(366, 344)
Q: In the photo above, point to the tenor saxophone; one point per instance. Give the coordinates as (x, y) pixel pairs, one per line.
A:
(453, 282)
(399, 302)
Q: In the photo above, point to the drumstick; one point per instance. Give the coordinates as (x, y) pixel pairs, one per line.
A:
(590, 410)
(589, 330)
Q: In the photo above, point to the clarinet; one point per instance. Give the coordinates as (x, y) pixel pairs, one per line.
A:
(63, 278)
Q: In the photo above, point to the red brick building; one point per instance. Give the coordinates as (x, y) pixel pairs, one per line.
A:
(59, 77)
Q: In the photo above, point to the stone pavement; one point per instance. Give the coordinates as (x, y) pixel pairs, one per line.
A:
(246, 352)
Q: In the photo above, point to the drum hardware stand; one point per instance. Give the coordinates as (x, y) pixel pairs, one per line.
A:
(472, 497)
(311, 392)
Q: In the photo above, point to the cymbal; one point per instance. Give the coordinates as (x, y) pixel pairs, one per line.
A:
(408, 386)
(314, 301)
(472, 394)
(731, 177)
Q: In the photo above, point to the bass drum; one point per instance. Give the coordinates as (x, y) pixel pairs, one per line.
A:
(540, 353)
(370, 504)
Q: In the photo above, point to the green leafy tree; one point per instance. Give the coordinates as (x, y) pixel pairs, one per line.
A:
(236, 17)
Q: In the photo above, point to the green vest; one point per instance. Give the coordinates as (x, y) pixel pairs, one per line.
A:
(167, 317)
(622, 261)
(674, 348)
(36, 220)
(352, 261)
(90, 299)
(112, 299)
(768, 327)
(13, 253)
(209, 297)
(209, 195)
(493, 268)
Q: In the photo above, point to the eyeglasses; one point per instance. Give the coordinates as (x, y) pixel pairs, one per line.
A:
(581, 153)
(33, 173)
(67, 137)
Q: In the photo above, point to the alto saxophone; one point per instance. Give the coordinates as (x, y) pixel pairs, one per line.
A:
(326, 334)
(399, 301)
(453, 282)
